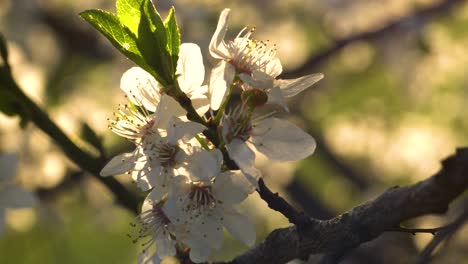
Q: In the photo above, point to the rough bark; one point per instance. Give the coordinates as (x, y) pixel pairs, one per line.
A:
(366, 221)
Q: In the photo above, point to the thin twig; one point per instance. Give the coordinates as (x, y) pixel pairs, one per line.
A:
(441, 236)
(424, 14)
(413, 231)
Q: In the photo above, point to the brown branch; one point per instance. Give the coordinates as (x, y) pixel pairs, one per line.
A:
(367, 221)
(405, 22)
(443, 235)
(277, 203)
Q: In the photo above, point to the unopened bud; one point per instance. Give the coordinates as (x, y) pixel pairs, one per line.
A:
(254, 97)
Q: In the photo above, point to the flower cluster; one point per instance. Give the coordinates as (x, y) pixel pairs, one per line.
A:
(193, 189)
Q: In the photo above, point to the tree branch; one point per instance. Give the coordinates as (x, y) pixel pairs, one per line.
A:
(420, 16)
(443, 235)
(83, 159)
(367, 221)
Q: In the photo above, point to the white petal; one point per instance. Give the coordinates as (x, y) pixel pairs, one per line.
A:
(281, 140)
(141, 88)
(190, 67)
(146, 175)
(12, 196)
(165, 247)
(292, 87)
(152, 198)
(177, 129)
(199, 251)
(244, 157)
(119, 164)
(200, 100)
(203, 165)
(258, 80)
(8, 164)
(275, 96)
(239, 226)
(168, 108)
(209, 229)
(146, 258)
(220, 81)
(274, 68)
(231, 187)
(217, 46)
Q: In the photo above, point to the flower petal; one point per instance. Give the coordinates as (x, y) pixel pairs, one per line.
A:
(209, 228)
(146, 258)
(239, 226)
(274, 68)
(221, 79)
(244, 157)
(199, 251)
(203, 165)
(200, 101)
(231, 187)
(119, 164)
(190, 68)
(258, 80)
(177, 129)
(217, 46)
(281, 140)
(165, 247)
(168, 108)
(275, 96)
(292, 87)
(141, 88)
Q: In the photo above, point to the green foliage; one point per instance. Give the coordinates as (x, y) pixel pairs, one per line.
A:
(173, 37)
(118, 34)
(139, 33)
(128, 12)
(152, 43)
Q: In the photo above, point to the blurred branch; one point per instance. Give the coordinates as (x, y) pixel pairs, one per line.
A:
(444, 235)
(32, 112)
(337, 236)
(418, 17)
(311, 204)
(75, 38)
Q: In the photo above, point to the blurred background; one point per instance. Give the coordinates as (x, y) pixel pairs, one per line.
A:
(391, 107)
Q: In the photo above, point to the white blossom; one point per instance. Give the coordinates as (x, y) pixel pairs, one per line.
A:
(256, 64)
(277, 139)
(205, 204)
(153, 229)
(141, 87)
(160, 152)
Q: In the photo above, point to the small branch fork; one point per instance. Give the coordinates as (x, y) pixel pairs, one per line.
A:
(363, 223)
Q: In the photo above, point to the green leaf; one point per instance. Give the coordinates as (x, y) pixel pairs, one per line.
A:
(152, 43)
(129, 13)
(173, 37)
(118, 34)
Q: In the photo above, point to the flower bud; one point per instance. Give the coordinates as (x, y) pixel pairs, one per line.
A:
(254, 97)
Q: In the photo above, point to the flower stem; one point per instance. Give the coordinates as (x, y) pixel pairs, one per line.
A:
(202, 142)
(221, 110)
